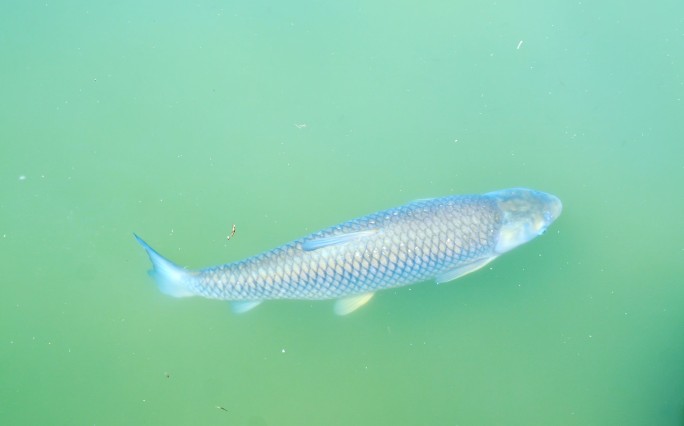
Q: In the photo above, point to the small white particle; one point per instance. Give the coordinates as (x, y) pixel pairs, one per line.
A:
(519, 44)
(22, 177)
(282, 350)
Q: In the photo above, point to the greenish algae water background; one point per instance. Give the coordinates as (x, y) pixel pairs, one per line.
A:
(177, 120)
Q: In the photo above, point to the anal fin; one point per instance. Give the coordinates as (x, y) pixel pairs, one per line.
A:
(243, 306)
(350, 304)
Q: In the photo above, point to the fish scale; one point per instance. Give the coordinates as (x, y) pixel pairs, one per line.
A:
(442, 238)
(395, 255)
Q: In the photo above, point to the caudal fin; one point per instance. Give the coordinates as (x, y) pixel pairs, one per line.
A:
(171, 278)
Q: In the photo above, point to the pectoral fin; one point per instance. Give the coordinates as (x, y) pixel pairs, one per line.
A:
(350, 304)
(317, 243)
(462, 270)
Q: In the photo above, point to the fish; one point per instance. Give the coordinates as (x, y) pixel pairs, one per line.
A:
(438, 239)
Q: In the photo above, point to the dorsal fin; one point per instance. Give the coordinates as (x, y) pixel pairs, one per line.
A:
(317, 243)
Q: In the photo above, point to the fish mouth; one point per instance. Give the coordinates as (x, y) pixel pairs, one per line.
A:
(554, 208)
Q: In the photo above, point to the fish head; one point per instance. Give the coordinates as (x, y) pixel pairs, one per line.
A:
(526, 214)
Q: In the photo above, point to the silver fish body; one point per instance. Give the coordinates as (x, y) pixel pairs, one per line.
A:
(441, 238)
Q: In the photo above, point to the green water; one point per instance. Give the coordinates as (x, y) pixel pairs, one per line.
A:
(177, 121)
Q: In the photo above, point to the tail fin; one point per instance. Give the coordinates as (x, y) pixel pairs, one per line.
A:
(171, 278)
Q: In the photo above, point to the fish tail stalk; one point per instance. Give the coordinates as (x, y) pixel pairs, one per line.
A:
(170, 278)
